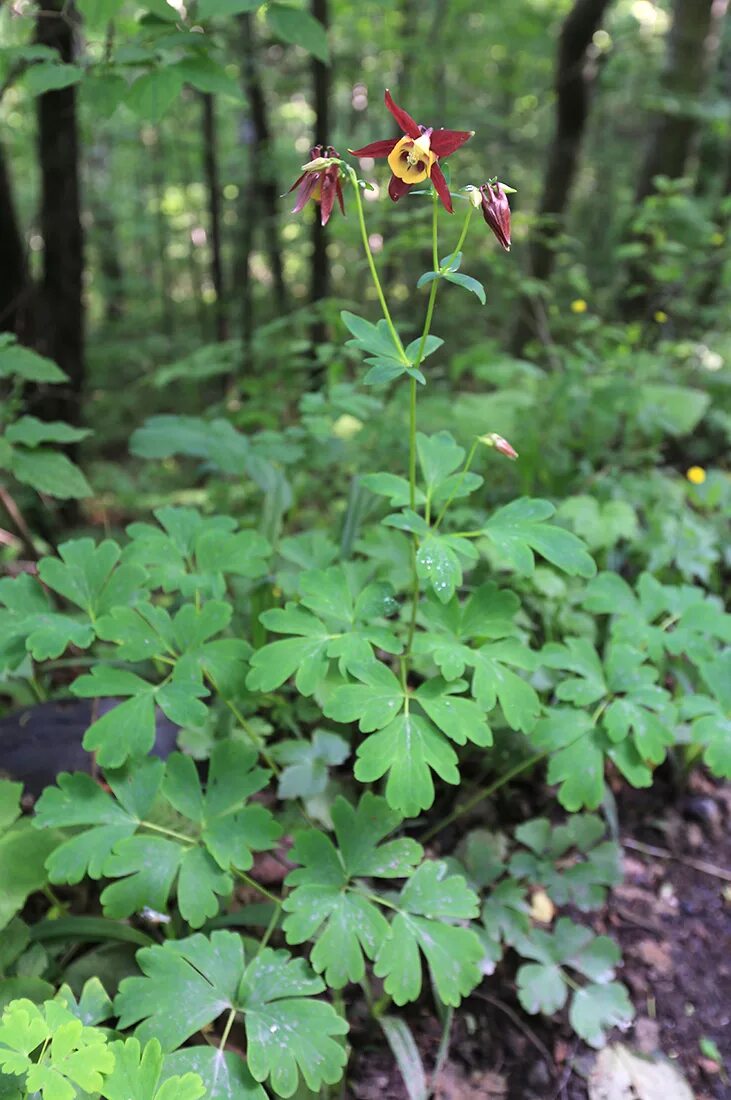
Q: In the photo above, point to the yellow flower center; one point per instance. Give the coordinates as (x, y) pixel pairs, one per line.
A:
(317, 192)
(412, 160)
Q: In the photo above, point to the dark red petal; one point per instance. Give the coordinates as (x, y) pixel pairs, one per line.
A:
(327, 197)
(308, 186)
(296, 183)
(339, 190)
(446, 142)
(404, 119)
(440, 184)
(397, 187)
(376, 148)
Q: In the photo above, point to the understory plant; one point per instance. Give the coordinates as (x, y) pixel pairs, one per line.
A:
(349, 712)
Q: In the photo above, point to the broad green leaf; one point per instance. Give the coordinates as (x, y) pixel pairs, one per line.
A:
(17, 361)
(307, 763)
(350, 925)
(225, 1075)
(468, 283)
(430, 897)
(298, 27)
(185, 985)
(596, 1008)
(495, 682)
(90, 577)
(461, 719)
(50, 77)
(137, 1073)
(151, 94)
(51, 473)
(519, 528)
(374, 702)
(212, 9)
(30, 431)
(408, 749)
(23, 855)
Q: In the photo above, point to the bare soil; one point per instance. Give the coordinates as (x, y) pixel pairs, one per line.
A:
(672, 918)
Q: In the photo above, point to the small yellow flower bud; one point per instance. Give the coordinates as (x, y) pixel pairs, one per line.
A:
(579, 306)
(661, 316)
(696, 475)
(474, 195)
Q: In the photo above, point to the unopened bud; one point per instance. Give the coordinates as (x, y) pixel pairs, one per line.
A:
(492, 439)
(496, 212)
(473, 194)
(319, 164)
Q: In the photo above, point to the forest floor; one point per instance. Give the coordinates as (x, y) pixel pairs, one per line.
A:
(672, 919)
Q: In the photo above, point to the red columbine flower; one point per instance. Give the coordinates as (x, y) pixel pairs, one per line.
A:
(320, 181)
(496, 212)
(415, 157)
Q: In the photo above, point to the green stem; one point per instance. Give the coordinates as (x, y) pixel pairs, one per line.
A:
(372, 263)
(227, 1030)
(181, 837)
(270, 927)
(258, 886)
(458, 484)
(491, 789)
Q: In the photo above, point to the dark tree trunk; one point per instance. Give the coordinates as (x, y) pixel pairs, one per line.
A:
(692, 46)
(320, 270)
(105, 230)
(156, 157)
(213, 186)
(16, 290)
(61, 321)
(262, 191)
(575, 75)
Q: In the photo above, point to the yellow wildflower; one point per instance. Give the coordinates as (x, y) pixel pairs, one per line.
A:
(579, 306)
(696, 475)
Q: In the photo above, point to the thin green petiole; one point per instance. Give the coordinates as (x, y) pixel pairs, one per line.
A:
(460, 479)
(372, 263)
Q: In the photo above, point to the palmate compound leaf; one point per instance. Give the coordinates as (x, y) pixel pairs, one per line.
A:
(518, 531)
(30, 618)
(137, 1072)
(345, 923)
(225, 1075)
(335, 620)
(189, 983)
(147, 631)
(75, 1058)
(223, 831)
(429, 899)
(543, 985)
(410, 745)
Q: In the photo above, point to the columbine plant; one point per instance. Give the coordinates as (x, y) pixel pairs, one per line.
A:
(408, 655)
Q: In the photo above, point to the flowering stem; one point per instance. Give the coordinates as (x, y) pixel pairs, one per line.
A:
(372, 263)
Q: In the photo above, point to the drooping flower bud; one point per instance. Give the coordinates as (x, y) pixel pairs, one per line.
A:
(496, 212)
(492, 439)
(474, 196)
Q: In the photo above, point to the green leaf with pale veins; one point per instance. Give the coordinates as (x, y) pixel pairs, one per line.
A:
(346, 925)
(137, 1073)
(408, 749)
(518, 531)
(430, 898)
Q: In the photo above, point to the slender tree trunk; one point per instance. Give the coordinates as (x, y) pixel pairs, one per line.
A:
(156, 156)
(320, 269)
(575, 75)
(213, 186)
(105, 230)
(692, 47)
(691, 50)
(262, 182)
(16, 290)
(61, 328)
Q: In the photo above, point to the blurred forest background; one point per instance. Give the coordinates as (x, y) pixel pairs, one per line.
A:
(147, 250)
